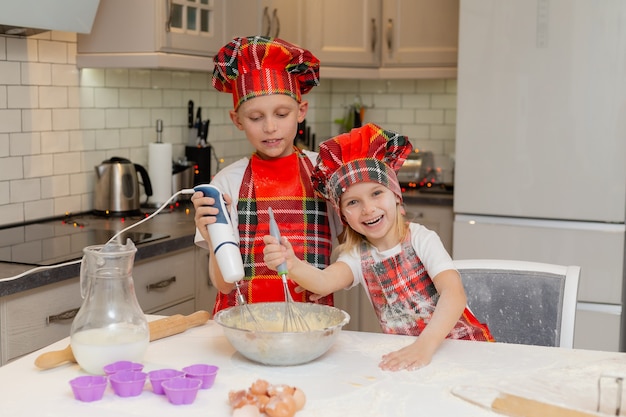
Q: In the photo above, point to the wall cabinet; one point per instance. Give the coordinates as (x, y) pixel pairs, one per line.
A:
(275, 18)
(383, 38)
(176, 283)
(174, 34)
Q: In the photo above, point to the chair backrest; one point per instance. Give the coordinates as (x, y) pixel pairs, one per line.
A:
(523, 302)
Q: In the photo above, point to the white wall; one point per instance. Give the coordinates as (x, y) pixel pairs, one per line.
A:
(58, 122)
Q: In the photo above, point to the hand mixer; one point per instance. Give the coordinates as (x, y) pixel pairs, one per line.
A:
(224, 242)
(293, 321)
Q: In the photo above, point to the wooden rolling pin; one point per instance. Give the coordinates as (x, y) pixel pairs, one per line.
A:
(513, 405)
(167, 326)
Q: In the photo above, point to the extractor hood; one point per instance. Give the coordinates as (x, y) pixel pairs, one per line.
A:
(28, 17)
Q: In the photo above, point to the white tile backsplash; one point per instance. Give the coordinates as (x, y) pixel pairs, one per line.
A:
(65, 119)
(35, 73)
(36, 120)
(4, 145)
(9, 73)
(25, 144)
(55, 186)
(58, 122)
(25, 190)
(53, 97)
(38, 166)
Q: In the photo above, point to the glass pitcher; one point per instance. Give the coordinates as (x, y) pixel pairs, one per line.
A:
(110, 326)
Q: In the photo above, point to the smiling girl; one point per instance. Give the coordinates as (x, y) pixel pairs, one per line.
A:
(409, 276)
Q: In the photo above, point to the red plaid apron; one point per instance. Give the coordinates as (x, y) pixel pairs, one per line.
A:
(404, 296)
(285, 185)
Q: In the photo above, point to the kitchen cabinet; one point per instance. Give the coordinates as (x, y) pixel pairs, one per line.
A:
(437, 218)
(356, 303)
(275, 18)
(383, 38)
(173, 34)
(205, 293)
(165, 281)
(35, 318)
(174, 283)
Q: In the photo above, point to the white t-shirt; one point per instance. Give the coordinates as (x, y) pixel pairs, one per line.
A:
(425, 242)
(229, 180)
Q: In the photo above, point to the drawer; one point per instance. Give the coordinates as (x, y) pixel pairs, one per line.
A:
(185, 308)
(38, 317)
(164, 281)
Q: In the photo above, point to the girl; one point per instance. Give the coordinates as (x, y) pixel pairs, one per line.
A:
(409, 276)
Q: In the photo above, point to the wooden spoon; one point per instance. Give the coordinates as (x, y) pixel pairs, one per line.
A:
(167, 326)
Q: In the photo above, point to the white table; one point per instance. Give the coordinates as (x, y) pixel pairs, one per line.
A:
(346, 381)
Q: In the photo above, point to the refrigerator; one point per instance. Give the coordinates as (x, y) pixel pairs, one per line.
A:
(541, 146)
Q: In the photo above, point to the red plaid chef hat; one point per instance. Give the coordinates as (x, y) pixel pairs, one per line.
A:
(259, 66)
(365, 154)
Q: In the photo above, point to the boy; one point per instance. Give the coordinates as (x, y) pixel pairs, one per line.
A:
(267, 78)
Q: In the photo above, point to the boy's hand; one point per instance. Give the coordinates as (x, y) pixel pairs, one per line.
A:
(205, 212)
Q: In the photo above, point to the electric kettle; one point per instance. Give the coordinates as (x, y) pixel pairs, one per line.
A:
(117, 187)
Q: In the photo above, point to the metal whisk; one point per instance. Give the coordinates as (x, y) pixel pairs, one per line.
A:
(246, 315)
(293, 320)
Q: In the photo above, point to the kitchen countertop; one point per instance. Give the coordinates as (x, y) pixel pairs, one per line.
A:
(346, 381)
(178, 224)
(427, 198)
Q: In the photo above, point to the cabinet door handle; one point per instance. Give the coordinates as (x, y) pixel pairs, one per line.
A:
(374, 35)
(266, 25)
(168, 22)
(276, 19)
(390, 34)
(66, 315)
(161, 284)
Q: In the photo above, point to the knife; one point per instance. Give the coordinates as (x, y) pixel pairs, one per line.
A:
(190, 114)
(159, 329)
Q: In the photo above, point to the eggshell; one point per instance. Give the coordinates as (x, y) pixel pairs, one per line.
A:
(279, 388)
(281, 405)
(247, 410)
(261, 402)
(259, 387)
(299, 398)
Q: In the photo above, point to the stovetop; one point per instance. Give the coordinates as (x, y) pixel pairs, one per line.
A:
(62, 239)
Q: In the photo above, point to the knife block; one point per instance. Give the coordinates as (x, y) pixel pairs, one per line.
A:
(201, 157)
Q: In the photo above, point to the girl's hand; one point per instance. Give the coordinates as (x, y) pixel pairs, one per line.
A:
(275, 254)
(312, 297)
(411, 357)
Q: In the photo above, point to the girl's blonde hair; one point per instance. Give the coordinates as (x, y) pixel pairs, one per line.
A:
(349, 239)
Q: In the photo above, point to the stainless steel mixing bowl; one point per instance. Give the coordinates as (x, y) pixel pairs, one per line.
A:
(272, 346)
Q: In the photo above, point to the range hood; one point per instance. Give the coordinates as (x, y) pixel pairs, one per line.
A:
(28, 17)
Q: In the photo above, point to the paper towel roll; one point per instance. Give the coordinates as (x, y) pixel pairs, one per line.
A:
(160, 171)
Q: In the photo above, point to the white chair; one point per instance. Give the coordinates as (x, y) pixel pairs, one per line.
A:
(523, 302)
